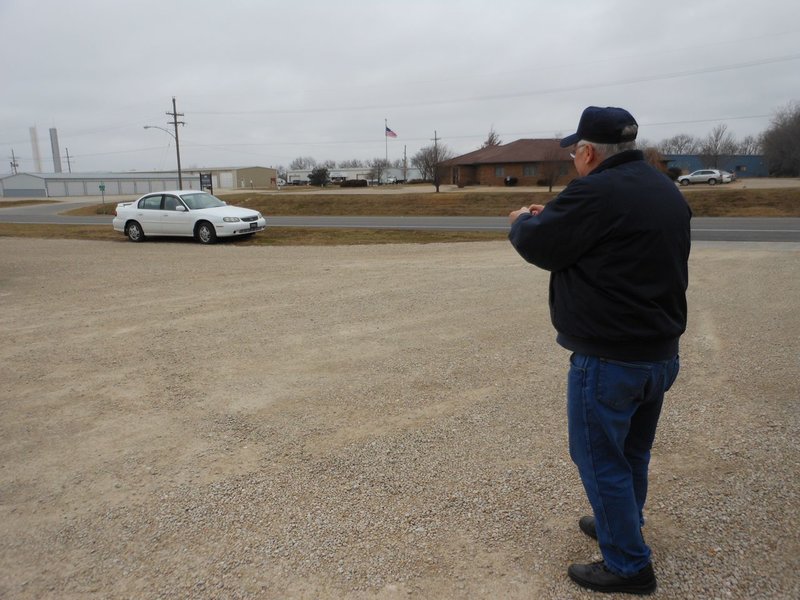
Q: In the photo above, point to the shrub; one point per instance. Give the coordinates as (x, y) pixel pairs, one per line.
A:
(674, 172)
(353, 183)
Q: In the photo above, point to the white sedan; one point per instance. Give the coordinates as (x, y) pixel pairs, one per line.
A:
(188, 213)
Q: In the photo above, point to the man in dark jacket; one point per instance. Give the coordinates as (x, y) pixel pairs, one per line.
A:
(616, 242)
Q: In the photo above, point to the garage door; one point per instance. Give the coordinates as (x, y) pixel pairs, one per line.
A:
(56, 189)
(226, 180)
(75, 188)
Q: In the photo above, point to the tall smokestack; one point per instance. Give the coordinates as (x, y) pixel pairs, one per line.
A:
(37, 158)
(56, 151)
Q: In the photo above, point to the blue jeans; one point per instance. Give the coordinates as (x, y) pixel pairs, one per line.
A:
(612, 411)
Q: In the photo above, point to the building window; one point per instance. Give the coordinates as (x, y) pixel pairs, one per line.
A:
(529, 171)
(499, 171)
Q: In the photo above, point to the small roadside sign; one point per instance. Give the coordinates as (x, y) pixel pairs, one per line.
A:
(205, 182)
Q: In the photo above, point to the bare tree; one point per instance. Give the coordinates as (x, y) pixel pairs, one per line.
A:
(423, 160)
(781, 142)
(328, 164)
(552, 167)
(683, 143)
(428, 160)
(493, 139)
(653, 157)
(749, 146)
(303, 162)
(717, 146)
(377, 167)
(354, 163)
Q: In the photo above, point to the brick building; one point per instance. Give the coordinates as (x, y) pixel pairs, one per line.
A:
(530, 162)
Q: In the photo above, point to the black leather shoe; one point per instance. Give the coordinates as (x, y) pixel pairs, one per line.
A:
(587, 526)
(597, 577)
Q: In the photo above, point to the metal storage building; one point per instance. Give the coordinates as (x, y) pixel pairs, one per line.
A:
(60, 185)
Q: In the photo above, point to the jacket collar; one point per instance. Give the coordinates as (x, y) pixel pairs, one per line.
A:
(619, 159)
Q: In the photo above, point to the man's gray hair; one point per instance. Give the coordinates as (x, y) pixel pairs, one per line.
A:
(607, 150)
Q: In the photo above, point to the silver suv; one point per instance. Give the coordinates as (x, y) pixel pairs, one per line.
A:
(709, 176)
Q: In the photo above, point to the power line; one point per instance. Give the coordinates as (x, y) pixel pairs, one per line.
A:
(541, 92)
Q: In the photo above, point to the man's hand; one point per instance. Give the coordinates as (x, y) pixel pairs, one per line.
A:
(536, 209)
(533, 209)
(522, 211)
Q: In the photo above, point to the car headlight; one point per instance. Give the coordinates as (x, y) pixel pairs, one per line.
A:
(259, 216)
(231, 219)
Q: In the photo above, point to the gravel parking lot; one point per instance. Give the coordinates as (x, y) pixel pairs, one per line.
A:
(384, 422)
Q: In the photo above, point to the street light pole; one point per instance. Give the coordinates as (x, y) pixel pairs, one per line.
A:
(174, 114)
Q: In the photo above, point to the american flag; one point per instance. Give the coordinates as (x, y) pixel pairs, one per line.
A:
(390, 133)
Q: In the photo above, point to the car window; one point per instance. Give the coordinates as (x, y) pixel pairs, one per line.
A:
(170, 203)
(151, 202)
(201, 200)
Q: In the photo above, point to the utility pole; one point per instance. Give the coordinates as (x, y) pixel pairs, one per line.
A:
(175, 114)
(405, 165)
(14, 163)
(69, 165)
(436, 181)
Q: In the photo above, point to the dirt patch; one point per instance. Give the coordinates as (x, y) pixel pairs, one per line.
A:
(366, 422)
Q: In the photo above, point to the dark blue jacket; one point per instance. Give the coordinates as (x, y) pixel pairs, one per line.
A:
(617, 245)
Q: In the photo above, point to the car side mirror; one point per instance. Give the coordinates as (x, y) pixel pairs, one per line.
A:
(180, 208)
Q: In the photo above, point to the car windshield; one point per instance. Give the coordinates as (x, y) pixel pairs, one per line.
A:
(201, 200)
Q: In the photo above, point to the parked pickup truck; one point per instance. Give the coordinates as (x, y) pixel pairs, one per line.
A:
(189, 213)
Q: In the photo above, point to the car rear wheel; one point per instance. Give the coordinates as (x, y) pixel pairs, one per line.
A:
(204, 233)
(712, 181)
(134, 232)
(684, 182)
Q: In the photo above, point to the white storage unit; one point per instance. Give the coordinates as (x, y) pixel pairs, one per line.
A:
(60, 185)
(23, 185)
(75, 188)
(57, 189)
(226, 180)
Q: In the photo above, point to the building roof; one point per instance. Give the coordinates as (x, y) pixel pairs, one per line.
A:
(98, 176)
(520, 151)
(127, 174)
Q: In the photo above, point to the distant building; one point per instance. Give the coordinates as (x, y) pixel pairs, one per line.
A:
(529, 161)
(389, 175)
(532, 161)
(59, 185)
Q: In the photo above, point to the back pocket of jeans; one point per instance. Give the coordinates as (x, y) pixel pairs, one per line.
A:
(621, 384)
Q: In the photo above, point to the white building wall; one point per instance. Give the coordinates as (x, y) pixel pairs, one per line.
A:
(55, 189)
(76, 188)
(23, 185)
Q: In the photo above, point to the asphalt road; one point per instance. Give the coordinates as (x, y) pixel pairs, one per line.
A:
(729, 229)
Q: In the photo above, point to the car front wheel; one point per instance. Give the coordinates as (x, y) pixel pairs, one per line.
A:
(712, 182)
(134, 232)
(205, 233)
(684, 182)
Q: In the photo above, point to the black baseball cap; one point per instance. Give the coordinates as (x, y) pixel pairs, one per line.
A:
(609, 125)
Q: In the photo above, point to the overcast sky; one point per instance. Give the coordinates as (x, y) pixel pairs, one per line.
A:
(261, 82)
